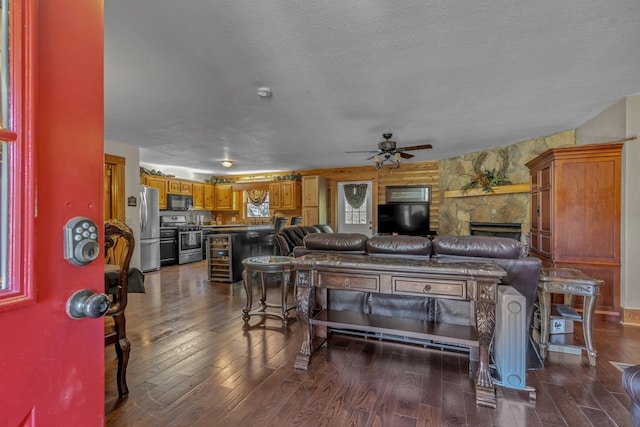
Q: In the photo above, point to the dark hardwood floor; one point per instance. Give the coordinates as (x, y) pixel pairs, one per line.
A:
(195, 363)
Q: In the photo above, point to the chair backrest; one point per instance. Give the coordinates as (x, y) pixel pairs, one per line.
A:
(281, 221)
(296, 220)
(118, 250)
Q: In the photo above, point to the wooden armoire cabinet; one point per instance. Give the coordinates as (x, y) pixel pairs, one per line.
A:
(575, 215)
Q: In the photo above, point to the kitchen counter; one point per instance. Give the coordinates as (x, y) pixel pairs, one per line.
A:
(229, 228)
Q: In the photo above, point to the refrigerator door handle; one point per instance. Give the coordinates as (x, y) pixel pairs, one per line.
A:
(143, 210)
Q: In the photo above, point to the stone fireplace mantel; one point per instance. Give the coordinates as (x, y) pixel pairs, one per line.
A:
(503, 189)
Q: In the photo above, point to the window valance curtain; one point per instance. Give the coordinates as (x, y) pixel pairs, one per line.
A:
(355, 194)
(257, 197)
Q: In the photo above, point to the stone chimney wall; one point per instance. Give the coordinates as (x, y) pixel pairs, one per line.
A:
(457, 212)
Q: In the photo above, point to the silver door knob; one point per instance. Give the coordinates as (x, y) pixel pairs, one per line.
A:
(84, 303)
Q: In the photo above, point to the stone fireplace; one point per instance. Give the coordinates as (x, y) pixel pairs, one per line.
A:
(499, 229)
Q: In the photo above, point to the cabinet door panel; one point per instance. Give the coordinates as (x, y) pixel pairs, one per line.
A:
(161, 185)
(274, 195)
(198, 196)
(287, 200)
(209, 197)
(174, 186)
(224, 197)
(309, 191)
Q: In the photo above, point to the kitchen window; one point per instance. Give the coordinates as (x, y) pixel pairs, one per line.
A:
(260, 210)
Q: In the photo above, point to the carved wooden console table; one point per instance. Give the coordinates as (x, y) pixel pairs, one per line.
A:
(315, 273)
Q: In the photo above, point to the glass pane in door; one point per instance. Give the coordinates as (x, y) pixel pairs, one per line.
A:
(4, 146)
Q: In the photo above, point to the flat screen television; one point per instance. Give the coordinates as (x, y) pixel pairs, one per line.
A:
(404, 218)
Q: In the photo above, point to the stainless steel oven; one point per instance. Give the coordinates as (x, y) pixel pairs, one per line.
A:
(168, 245)
(187, 239)
(189, 244)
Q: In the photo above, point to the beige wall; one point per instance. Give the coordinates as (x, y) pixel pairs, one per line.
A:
(622, 120)
(132, 188)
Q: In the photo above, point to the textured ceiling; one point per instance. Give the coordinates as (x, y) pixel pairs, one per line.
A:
(181, 77)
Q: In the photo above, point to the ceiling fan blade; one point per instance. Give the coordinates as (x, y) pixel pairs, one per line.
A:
(406, 155)
(370, 158)
(416, 147)
(367, 151)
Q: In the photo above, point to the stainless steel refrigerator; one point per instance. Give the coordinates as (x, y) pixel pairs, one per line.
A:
(149, 229)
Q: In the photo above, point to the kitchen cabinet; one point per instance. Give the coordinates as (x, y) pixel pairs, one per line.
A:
(178, 186)
(161, 184)
(284, 195)
(224, 197)
(209, 197)
(314, 200)
(198, 195)
(575, 215)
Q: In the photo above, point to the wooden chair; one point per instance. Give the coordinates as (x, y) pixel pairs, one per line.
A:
(118, 249)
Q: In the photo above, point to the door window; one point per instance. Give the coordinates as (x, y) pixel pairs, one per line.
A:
(16, 152)
(355, 213)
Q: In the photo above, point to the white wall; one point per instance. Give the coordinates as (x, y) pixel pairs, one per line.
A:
(132, 188)
(631, 207)
(620, 121)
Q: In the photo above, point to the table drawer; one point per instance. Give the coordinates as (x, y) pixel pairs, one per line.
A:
(450, 289)
(352, 281)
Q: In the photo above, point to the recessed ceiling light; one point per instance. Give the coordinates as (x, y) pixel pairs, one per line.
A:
(226, 163)
(264, 92)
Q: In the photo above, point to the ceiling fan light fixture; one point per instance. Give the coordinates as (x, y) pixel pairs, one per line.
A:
(226, 163)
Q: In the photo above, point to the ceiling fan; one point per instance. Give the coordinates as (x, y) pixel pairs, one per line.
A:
(388, 151)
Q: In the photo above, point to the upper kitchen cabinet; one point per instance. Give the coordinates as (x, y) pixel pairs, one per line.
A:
(284, 195)
(198, 195)
(575, 215)
(224, 197)
(178, 186)
(209, 197)
(314, 200)
(161, 184)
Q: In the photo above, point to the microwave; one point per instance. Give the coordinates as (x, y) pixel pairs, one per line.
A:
(179, 202)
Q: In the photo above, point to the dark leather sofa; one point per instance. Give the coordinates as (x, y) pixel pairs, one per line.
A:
(631, 383)
(522, 274)
(292, 236)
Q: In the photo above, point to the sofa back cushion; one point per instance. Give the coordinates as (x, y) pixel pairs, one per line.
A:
(352, 242)
(292, 236)
(399, 245)
(478, 246)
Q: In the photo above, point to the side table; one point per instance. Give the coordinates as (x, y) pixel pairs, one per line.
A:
(264, 265)
(570, 282)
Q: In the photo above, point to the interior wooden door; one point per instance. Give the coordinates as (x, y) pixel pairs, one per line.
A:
(52, 364)
(114, 187)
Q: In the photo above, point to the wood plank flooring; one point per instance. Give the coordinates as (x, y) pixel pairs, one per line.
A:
(194, 362)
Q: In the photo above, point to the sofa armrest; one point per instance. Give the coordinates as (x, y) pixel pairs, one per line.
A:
(631, 383)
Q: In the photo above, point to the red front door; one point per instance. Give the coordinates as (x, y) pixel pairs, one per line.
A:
(51, 366)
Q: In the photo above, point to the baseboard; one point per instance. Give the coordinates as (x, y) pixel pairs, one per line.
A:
(630, 316)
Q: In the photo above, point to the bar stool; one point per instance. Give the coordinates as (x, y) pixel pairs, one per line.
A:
(253, 238)
(270, 240)
(296, 220)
